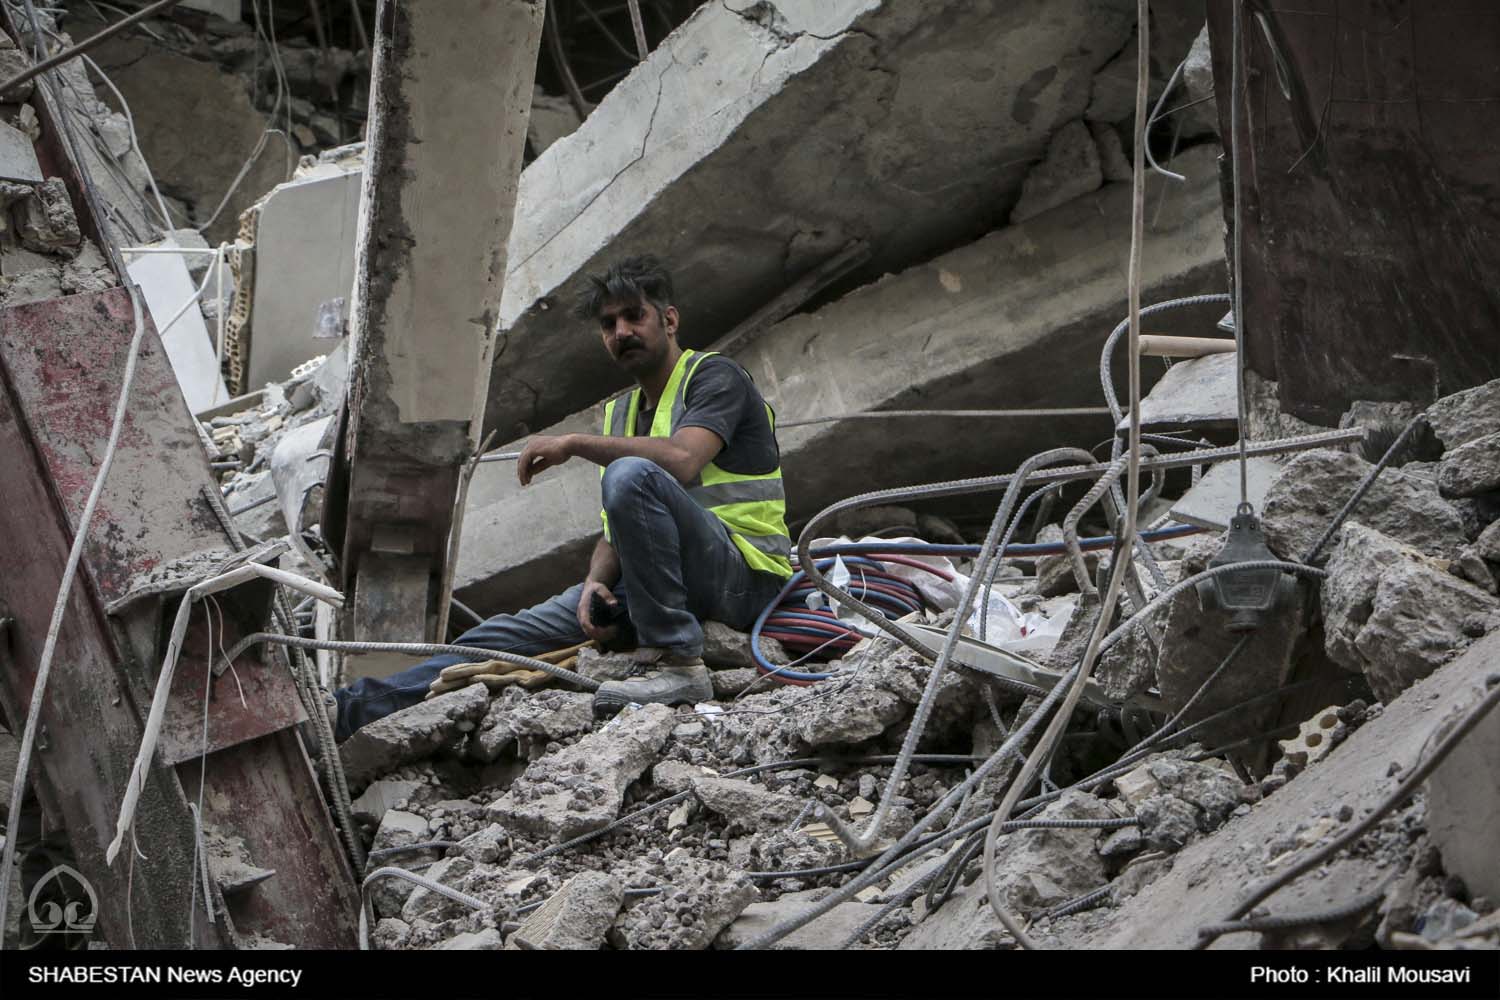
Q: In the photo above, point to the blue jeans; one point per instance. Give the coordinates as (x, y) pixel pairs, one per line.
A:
(678, 566)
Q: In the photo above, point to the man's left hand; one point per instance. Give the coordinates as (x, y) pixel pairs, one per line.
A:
(541, 453)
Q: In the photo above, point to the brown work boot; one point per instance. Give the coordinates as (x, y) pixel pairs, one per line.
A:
(676, 681)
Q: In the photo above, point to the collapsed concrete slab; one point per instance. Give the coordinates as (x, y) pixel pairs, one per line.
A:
(1199, 393)
(974, 328)
(916, 125)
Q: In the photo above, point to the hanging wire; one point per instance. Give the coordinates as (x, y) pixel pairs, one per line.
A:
(1239, 249)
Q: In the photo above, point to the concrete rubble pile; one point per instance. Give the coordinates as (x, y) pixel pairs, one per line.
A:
(706, 826)
(743, 838)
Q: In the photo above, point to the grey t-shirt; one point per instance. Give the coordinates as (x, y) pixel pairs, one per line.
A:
(721, 397)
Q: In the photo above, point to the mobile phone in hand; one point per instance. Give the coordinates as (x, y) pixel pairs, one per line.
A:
(602, 613)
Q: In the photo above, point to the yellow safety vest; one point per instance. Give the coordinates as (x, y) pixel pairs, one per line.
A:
(753, 507)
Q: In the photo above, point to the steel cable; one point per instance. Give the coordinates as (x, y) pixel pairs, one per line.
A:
(1239, 243)
(939, 668)
(1127, 540)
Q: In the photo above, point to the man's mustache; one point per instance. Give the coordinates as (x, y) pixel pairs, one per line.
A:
(626, 345)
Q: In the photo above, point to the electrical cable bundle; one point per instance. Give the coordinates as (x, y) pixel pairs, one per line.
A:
(809, 632)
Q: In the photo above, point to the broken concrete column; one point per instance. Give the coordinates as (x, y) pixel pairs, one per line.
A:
(581, 787)
(1393, 612)
(450, 89)
(575, 918)
(966, 328)
(411, 734)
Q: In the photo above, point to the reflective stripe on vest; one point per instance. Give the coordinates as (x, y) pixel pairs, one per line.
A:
(752, 507)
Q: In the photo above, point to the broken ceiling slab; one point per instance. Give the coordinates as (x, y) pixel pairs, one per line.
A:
(1213, 499)
(1198, 394)
(915, 126)
(969, 329)
(304, 269)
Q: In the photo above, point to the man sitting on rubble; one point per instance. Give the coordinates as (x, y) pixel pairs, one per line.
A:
(694, 513)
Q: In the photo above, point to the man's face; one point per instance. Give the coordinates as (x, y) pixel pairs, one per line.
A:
(637, 335)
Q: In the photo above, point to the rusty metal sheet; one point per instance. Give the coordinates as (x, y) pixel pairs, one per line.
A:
(90, 722)
(256, 698)
(66, 358)
(60, 367)
(264, 792)
(1371, 167)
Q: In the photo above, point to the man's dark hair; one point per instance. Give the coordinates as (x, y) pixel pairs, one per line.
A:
(628, 280)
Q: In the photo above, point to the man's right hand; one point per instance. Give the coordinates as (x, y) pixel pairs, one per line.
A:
(585, 607)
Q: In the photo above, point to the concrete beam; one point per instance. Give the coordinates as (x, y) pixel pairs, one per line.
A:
(1015, 320)
(759, 139)
(452, 84)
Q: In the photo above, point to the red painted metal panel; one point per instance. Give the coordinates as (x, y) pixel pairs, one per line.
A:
(66, 358)
(264, 791)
